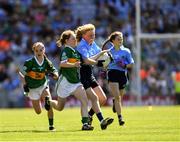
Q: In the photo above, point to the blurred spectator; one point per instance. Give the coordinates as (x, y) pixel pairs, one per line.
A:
(176, 79)
(26, 21)
(159, 58)
(161, 16)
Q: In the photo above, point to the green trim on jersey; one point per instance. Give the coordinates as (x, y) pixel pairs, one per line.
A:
(71, 74)
(31, 65)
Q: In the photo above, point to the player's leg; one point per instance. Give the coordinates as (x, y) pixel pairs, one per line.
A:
(116, 93)
(46, 95)
(50, 115)
(101, 95)
(62, 92)
(96, 107)
(94, 100)
(59, 104)
(80, 94)
(114, 90)
(121, 121)
(34, 96)
(97, 96)
(37, 106)
(123, 79)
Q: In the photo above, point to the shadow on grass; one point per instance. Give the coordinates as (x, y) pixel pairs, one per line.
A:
(37, 131)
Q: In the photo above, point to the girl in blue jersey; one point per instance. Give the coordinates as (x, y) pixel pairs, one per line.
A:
(90, 52)
(117, 69)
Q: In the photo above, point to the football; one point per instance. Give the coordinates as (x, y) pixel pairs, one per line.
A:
(107, 59)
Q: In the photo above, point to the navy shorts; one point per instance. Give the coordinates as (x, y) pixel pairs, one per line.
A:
(87, 78)
(120, 77)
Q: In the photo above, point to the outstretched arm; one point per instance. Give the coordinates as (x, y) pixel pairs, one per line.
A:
(25, 87)
(22, 78)
(95, 57)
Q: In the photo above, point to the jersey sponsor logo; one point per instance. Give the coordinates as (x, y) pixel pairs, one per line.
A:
(41, 68)
(64, 56)
(24, 68)
(72, 60)
(36, 75)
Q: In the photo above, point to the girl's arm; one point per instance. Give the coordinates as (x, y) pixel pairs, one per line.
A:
(67, 64)
(22, 78)
(93, 60)
(95, 57)
(129, 66)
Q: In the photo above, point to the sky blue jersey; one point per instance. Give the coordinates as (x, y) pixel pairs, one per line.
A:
(123, 54)
(86, 50)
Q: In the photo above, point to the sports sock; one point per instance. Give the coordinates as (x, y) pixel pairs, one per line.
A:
(120, 117)
(84, 120)
(91, 112)
(51, 121)
(100, 117)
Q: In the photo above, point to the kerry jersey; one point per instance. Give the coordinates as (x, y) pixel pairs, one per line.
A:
(35, 73)
(71, 55)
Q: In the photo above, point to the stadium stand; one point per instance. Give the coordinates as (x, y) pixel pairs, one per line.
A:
(23, 22)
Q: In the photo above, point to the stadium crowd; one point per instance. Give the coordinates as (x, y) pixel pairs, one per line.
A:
(23, 22)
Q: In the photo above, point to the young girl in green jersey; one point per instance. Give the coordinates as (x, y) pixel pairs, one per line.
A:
(33, 76)
(68, 82)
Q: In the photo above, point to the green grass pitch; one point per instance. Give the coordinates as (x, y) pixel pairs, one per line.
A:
(142, 124)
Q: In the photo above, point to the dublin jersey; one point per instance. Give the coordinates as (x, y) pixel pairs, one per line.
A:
(123, 54)
(86, 50)
(35, 73)
(86, 71)
(71, 55)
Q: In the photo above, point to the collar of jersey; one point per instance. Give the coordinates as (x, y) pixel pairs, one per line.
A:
(38, 61)
(120, 48)
(69, 47)
(84, 41)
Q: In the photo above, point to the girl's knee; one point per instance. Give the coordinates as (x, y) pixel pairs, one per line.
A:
(84, 102)
(102, 100)
(84, 99)
(60, 108)
(117, 97)
(38, 111)
(95, 98)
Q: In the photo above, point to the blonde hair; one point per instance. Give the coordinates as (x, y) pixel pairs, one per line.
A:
(82, 30)
(36, 44)
(63, 37)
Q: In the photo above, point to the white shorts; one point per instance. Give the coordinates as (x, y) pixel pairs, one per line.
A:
(65, 88)
(35, 94)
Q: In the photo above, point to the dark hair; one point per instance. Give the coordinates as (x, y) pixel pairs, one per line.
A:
(64, 36)
(111, 38)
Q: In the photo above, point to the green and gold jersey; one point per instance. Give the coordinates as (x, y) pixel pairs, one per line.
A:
(35, 73)
(71, 55)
